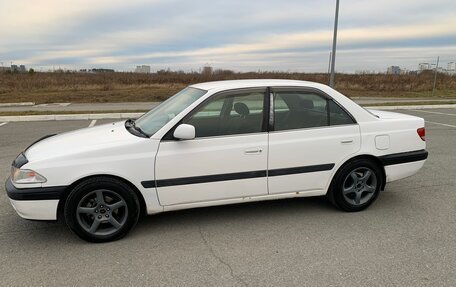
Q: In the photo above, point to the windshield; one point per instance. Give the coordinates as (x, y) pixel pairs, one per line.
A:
(155, 119)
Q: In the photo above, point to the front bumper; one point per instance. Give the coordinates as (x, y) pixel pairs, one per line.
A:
(38, 203)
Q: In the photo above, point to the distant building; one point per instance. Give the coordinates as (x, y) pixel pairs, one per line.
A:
(393, 70)
(95, 70)
(440, 70)
(365, 72)
(143, 69)
(424, 67)
(404, 71)
(207, 70)
(18, 69)
(451, 66)
(102, 70)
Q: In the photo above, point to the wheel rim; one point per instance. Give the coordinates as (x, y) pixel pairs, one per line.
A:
(102, 212)
(359, 186)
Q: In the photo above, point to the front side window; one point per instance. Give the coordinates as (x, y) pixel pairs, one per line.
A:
(230, 113)
(156, 118)
(294, 109)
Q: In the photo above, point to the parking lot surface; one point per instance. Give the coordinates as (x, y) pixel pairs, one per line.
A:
(407, 237)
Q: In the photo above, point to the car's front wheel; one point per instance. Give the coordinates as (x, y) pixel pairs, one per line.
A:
(356, 185)
(101, 209)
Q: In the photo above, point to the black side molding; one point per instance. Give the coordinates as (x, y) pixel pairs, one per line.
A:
(208, 178)
(235, 176)
(35, 193)
(300, 169)
(404, 157)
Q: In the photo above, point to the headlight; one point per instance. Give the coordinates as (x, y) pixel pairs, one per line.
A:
(26, 176)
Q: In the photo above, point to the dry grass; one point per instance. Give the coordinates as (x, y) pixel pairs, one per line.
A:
(130, 87)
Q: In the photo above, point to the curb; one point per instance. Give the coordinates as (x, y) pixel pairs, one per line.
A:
(69, 117)
(416, 107)
(17, 104)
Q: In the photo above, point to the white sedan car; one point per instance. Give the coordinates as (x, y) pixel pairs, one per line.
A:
(212, 144)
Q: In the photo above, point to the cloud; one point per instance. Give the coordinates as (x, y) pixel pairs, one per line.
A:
(239, 35)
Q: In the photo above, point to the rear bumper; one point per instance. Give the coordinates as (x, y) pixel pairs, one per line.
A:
(402, 165)
(404, 157)
(38, 203)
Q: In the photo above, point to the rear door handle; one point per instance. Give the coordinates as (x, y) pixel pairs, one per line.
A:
(253, 151)
(346, 141)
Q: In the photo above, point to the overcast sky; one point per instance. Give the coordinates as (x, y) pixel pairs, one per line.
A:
(240, 35)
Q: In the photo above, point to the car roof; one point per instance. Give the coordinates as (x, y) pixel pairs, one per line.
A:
(236, 84)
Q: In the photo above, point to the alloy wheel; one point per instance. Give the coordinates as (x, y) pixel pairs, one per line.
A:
(359, 186)
(102, 212)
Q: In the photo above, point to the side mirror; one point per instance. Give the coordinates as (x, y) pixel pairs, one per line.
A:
(184, 132)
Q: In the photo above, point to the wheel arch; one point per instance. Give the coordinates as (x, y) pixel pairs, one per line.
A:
(61, 205)
(370, 157)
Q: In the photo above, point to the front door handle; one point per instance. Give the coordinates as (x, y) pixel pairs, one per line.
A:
(253, 151)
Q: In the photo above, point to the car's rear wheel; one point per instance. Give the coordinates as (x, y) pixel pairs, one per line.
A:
(356, 185)
(101, 209)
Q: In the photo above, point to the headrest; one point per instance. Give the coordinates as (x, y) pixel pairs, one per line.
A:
(241, 109)
(306, 104)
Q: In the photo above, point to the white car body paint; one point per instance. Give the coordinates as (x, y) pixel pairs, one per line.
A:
(111, 150)
(36, 209)
(217, 155)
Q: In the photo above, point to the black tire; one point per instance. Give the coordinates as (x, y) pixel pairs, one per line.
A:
(350, 195)
(106, 202)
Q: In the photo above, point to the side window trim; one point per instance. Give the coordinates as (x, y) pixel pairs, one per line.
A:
(264, 128)
(270, 109)
(328, 112)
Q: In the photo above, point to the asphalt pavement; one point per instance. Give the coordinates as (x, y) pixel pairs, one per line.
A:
(406, 238)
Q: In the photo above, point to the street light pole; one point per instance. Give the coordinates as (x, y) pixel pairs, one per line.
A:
(333, 58)
(329, 66)
(435, 76)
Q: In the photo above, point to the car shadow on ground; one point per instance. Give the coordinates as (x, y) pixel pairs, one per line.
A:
(237, 212)
(254, 213)
(56, 231)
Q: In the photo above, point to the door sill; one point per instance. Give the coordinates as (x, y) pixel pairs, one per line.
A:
(307, 193)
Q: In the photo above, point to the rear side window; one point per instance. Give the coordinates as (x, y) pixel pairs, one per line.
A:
(337, 116)
(294, 109)
(298, 110)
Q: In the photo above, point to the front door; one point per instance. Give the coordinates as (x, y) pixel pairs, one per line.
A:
(228, 157)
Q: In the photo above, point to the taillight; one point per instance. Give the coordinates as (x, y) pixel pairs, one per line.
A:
(421, 133)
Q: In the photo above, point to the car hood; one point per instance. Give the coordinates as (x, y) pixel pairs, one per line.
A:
(83, 141)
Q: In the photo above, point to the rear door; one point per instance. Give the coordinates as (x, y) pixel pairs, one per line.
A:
(311, 134)
(228, 157)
